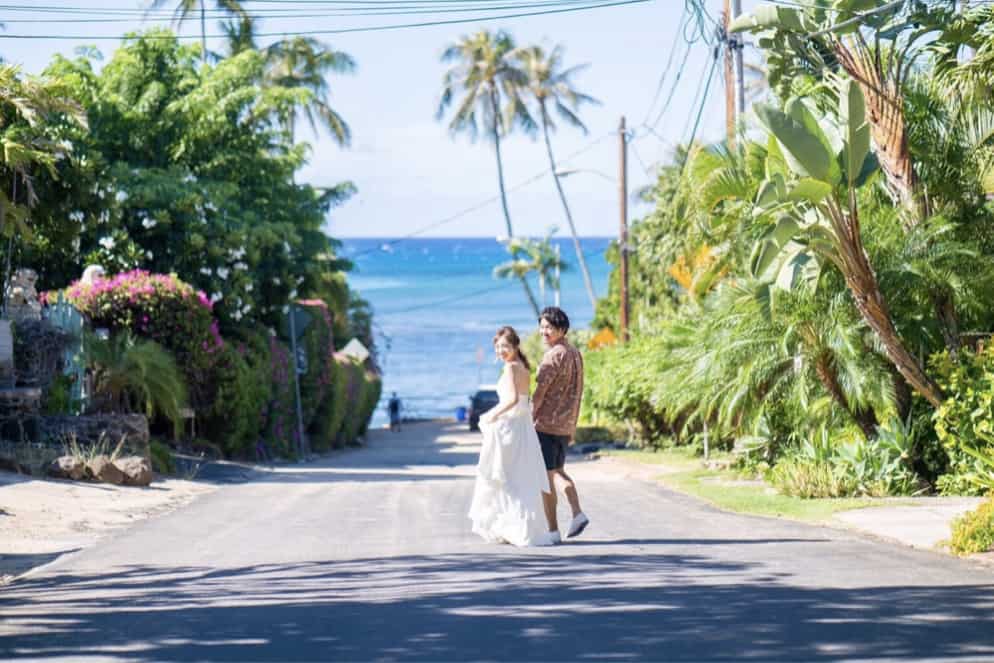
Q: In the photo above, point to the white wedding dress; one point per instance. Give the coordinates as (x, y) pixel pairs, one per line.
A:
(510, 477)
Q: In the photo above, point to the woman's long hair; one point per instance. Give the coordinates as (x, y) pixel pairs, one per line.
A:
(511, 336)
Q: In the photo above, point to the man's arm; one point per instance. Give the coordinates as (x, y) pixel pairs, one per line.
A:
(546, 372)
(579, 394)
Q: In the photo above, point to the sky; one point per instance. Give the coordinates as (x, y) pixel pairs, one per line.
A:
(414, 178)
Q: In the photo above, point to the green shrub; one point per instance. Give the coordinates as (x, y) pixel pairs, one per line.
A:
(280, 424)
(615, 433)
(361, 396)
(808, 477)
(825, 467)
(354, 383)
(371, 392)
(965, 421)
(973, 532)
(330, 410)
(319, 344)
(57, 397)
(620, 388)
(162, 458)
(241, 382)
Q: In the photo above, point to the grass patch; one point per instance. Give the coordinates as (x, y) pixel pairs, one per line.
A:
(725, 489)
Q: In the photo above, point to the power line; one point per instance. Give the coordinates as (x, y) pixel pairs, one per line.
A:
(375, 28)
(293, 12)
(489, 201)
(666, 69)
(704, 99)
(466, 295)
(697, 93)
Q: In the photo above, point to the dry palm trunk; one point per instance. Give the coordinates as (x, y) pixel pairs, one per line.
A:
(870, 303)
(885, 114)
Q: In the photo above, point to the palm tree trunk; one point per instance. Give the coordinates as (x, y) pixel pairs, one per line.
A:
(885, 114)
(829, 378)
(945, 311)
(870, 303)
(495, 109)
(569, 216)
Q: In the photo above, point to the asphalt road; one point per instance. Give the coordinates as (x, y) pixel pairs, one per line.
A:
(368, 555)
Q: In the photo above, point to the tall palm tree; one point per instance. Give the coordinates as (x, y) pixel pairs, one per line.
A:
(549, 84)
(186, 8)
(304, 62)
(489, 85)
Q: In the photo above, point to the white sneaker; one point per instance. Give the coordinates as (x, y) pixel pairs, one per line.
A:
(580, 522)
(555, 537)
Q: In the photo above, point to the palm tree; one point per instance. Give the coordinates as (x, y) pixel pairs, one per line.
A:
(185, 8)
(549, 84)
(519, 266)
(486, 79)
(131, 374)
(304, 62)
(239, 34)
(541, 257)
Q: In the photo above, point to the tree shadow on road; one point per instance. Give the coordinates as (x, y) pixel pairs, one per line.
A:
(528, 605)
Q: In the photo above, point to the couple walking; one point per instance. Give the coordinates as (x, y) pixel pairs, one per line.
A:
(524, 441)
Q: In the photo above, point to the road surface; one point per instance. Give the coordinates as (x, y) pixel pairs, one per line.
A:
(368, 555)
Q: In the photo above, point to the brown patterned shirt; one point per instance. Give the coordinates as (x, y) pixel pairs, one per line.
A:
(558, 389)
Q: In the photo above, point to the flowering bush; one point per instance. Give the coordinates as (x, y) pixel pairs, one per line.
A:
(164, 309)
(280, 424)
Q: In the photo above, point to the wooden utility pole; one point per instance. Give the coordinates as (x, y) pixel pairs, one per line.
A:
(623, 229)
(739, 69)
(729, 77)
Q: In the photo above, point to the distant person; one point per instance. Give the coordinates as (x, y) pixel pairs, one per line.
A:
(510, 476)
(393, 407)
(555, 410)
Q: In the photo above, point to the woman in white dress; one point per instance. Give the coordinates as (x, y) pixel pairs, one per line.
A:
(510, 477)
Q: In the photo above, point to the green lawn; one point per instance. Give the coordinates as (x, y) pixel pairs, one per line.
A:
(727, 490)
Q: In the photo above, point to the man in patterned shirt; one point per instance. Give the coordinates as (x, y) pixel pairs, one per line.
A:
(555, 409)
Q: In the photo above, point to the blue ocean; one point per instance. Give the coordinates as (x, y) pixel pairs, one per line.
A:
(437, 305)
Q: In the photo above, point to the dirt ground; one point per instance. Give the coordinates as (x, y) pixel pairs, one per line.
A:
(41, 519)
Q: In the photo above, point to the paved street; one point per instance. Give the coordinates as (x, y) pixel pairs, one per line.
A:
(368, 555)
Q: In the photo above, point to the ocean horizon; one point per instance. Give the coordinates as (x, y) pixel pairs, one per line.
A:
(436, 306)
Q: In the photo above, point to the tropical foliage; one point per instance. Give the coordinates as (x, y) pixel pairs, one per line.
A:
(177, 176)
(787, 293)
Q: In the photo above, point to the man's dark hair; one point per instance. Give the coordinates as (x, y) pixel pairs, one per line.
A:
(556, 317)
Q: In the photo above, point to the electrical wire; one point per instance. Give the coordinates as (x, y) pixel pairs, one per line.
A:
(391, 10)
(336, 31)
(489, 201)
(465, 295)
(704, 99)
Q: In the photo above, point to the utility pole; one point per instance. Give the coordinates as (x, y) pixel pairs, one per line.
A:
(623, 234)
(729, 76)
(739, 69)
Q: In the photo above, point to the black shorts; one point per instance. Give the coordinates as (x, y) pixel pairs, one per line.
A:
(553, 449)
